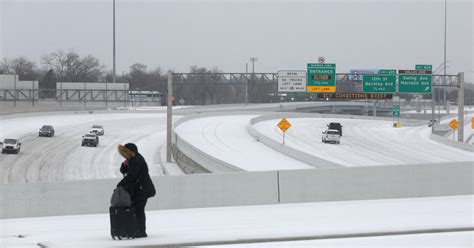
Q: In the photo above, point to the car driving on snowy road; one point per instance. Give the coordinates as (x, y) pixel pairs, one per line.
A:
(90, 139)
(11, 146)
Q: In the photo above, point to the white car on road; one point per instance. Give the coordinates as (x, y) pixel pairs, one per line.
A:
(11, 146)
(97, 129)
(332, 136)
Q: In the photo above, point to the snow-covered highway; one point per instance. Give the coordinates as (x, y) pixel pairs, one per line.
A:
(365, 142)
(62, 158)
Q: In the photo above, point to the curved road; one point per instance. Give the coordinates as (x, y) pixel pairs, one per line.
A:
(366, 142)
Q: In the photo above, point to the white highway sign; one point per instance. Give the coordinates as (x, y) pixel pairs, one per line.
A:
(292, 81)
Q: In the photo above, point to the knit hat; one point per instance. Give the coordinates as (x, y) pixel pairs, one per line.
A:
(127, 152)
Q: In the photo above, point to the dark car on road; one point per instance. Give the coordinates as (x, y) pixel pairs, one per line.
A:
(432, 122)
(336, 126)
(46, 130)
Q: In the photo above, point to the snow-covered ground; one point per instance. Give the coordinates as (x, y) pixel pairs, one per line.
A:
(227, 138)
(266, 222)
(62, 158)
(366, 142)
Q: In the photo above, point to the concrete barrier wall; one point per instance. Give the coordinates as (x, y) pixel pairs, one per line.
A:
(246, 188)
(201, 158)
(216, 190)
(376, 182)
(449, 142)
(173, 192)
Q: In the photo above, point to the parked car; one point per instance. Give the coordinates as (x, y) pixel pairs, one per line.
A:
(46, 130)
(432, 122)
(90, 139)
(97, 129)
(11, 146)
(337, 126)
(332, 136)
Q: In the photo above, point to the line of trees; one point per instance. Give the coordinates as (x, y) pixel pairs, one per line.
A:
(61, 66)
(204, 87)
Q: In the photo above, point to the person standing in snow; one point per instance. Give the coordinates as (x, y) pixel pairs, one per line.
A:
(137, 182)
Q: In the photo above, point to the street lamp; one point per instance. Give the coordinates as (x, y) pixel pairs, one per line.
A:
(445, 30)
(113, 38)
(253, 60)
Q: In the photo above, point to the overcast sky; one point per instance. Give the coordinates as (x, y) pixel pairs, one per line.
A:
(393, 34)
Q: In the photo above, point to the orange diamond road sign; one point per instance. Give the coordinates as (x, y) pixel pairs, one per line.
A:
(453, 124)
(284, 125)
(472, 123)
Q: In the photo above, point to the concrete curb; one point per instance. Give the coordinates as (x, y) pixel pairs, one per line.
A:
(316, 237)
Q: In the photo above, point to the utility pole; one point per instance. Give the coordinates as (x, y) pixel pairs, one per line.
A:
(461, 107)
(14, 91)
(252, 59)
(113, 76)
(169, 117)
(445, 32)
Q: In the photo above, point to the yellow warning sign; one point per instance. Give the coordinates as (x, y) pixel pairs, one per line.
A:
(284, 125)
(453, 124)
(322, 89)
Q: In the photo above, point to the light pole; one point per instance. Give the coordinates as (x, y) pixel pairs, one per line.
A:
(113, 76)
(253, 60)
(445, 30)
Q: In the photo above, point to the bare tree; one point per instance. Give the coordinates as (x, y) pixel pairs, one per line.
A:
(21, 66)
(70, 67)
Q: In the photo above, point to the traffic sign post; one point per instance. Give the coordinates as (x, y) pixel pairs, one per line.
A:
(321, 78)
(454, 125)
(284, 125)
(291, 81)
(396, 110)
(396, 114)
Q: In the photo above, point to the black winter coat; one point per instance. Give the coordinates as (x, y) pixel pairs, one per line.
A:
(136, 179)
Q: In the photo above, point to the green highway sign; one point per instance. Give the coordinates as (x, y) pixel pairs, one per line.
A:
(321, 78)
(387, 72)
(396, 110)
(424, 67)
(414, 83)
(378, 83)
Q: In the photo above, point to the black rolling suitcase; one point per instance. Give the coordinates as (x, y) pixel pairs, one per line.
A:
(123, 222)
